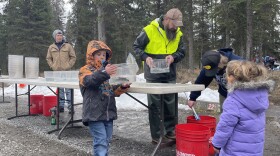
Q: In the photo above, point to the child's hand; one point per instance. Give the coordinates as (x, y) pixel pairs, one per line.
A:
(216, 150)
(123, 88)
(125, 85)
(111, 69)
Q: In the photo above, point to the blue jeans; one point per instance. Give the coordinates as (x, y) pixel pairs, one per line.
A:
(101, 132)
(62, 99)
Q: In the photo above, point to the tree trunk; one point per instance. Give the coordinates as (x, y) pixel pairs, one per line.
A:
(190, 34)
(249, 29)
(100, 23)
(226, 16)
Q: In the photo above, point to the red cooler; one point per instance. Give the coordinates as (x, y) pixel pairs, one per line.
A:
(36, 104)
(49, 102)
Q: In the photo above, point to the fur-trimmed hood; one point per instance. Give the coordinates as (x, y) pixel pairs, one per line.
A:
(269, 84)
(252, 95)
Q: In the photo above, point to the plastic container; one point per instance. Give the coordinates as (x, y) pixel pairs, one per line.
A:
(73, 76)
(49, 102)
(49, 75)
(126, 72)
(15, 66)
(31, 67)
(192, 139)
(36, 104)
(159, 66)
(208, 121)
(61, 76)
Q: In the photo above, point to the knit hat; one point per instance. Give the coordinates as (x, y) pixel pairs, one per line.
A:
(210, 61)
(176, 16)
(57, 31)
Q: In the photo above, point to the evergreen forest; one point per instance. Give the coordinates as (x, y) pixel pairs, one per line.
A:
(250, 27)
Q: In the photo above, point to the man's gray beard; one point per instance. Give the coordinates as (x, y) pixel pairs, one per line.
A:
(171, 35)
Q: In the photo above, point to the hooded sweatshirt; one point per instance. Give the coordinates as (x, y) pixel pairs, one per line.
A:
(98, 95)
(241, 129)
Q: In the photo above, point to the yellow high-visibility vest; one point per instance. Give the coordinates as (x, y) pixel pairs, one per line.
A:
(158, 42)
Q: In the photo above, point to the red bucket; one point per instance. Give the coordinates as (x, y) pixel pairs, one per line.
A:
(49, 102)
(208, 121)
(192, 139)
(36, 104)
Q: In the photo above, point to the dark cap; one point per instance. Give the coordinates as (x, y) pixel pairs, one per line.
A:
(176, 15)
(210, 61)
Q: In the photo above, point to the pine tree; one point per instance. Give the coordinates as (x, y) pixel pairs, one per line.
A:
(28, 28)
(58, 17)
(3, 45)
(83, 22)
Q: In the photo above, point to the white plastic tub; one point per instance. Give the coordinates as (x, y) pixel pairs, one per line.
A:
(126, 72)
(61, 76)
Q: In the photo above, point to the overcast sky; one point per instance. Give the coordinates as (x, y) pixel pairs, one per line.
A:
(1, 6)
(67, 7)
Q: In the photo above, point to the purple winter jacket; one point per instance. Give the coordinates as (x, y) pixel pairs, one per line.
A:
(241, 129)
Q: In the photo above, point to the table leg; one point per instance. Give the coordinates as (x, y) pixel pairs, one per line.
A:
(176, 108)
(71, 119)
(137, 100)
(57, 112)
(28, 94)
(57, 109)
(16, 103)
(161, 115)
(16, 98)
(3, 95)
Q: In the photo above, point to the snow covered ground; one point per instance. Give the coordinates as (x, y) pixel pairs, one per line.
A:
(124, 102)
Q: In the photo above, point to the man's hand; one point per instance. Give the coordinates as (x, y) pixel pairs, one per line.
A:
(111, 69)
(149, 61)
(169, 59)
(191, 103)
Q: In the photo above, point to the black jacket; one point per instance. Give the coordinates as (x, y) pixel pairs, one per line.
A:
(202, 79)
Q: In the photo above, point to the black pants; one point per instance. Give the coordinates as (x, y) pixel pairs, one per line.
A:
(170, 118)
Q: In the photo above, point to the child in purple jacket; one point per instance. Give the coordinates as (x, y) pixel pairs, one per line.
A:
(241, 129)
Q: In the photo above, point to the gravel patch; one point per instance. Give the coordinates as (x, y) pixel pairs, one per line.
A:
(27, 136)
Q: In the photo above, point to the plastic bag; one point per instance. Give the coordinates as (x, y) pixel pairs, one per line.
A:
(131, 60)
